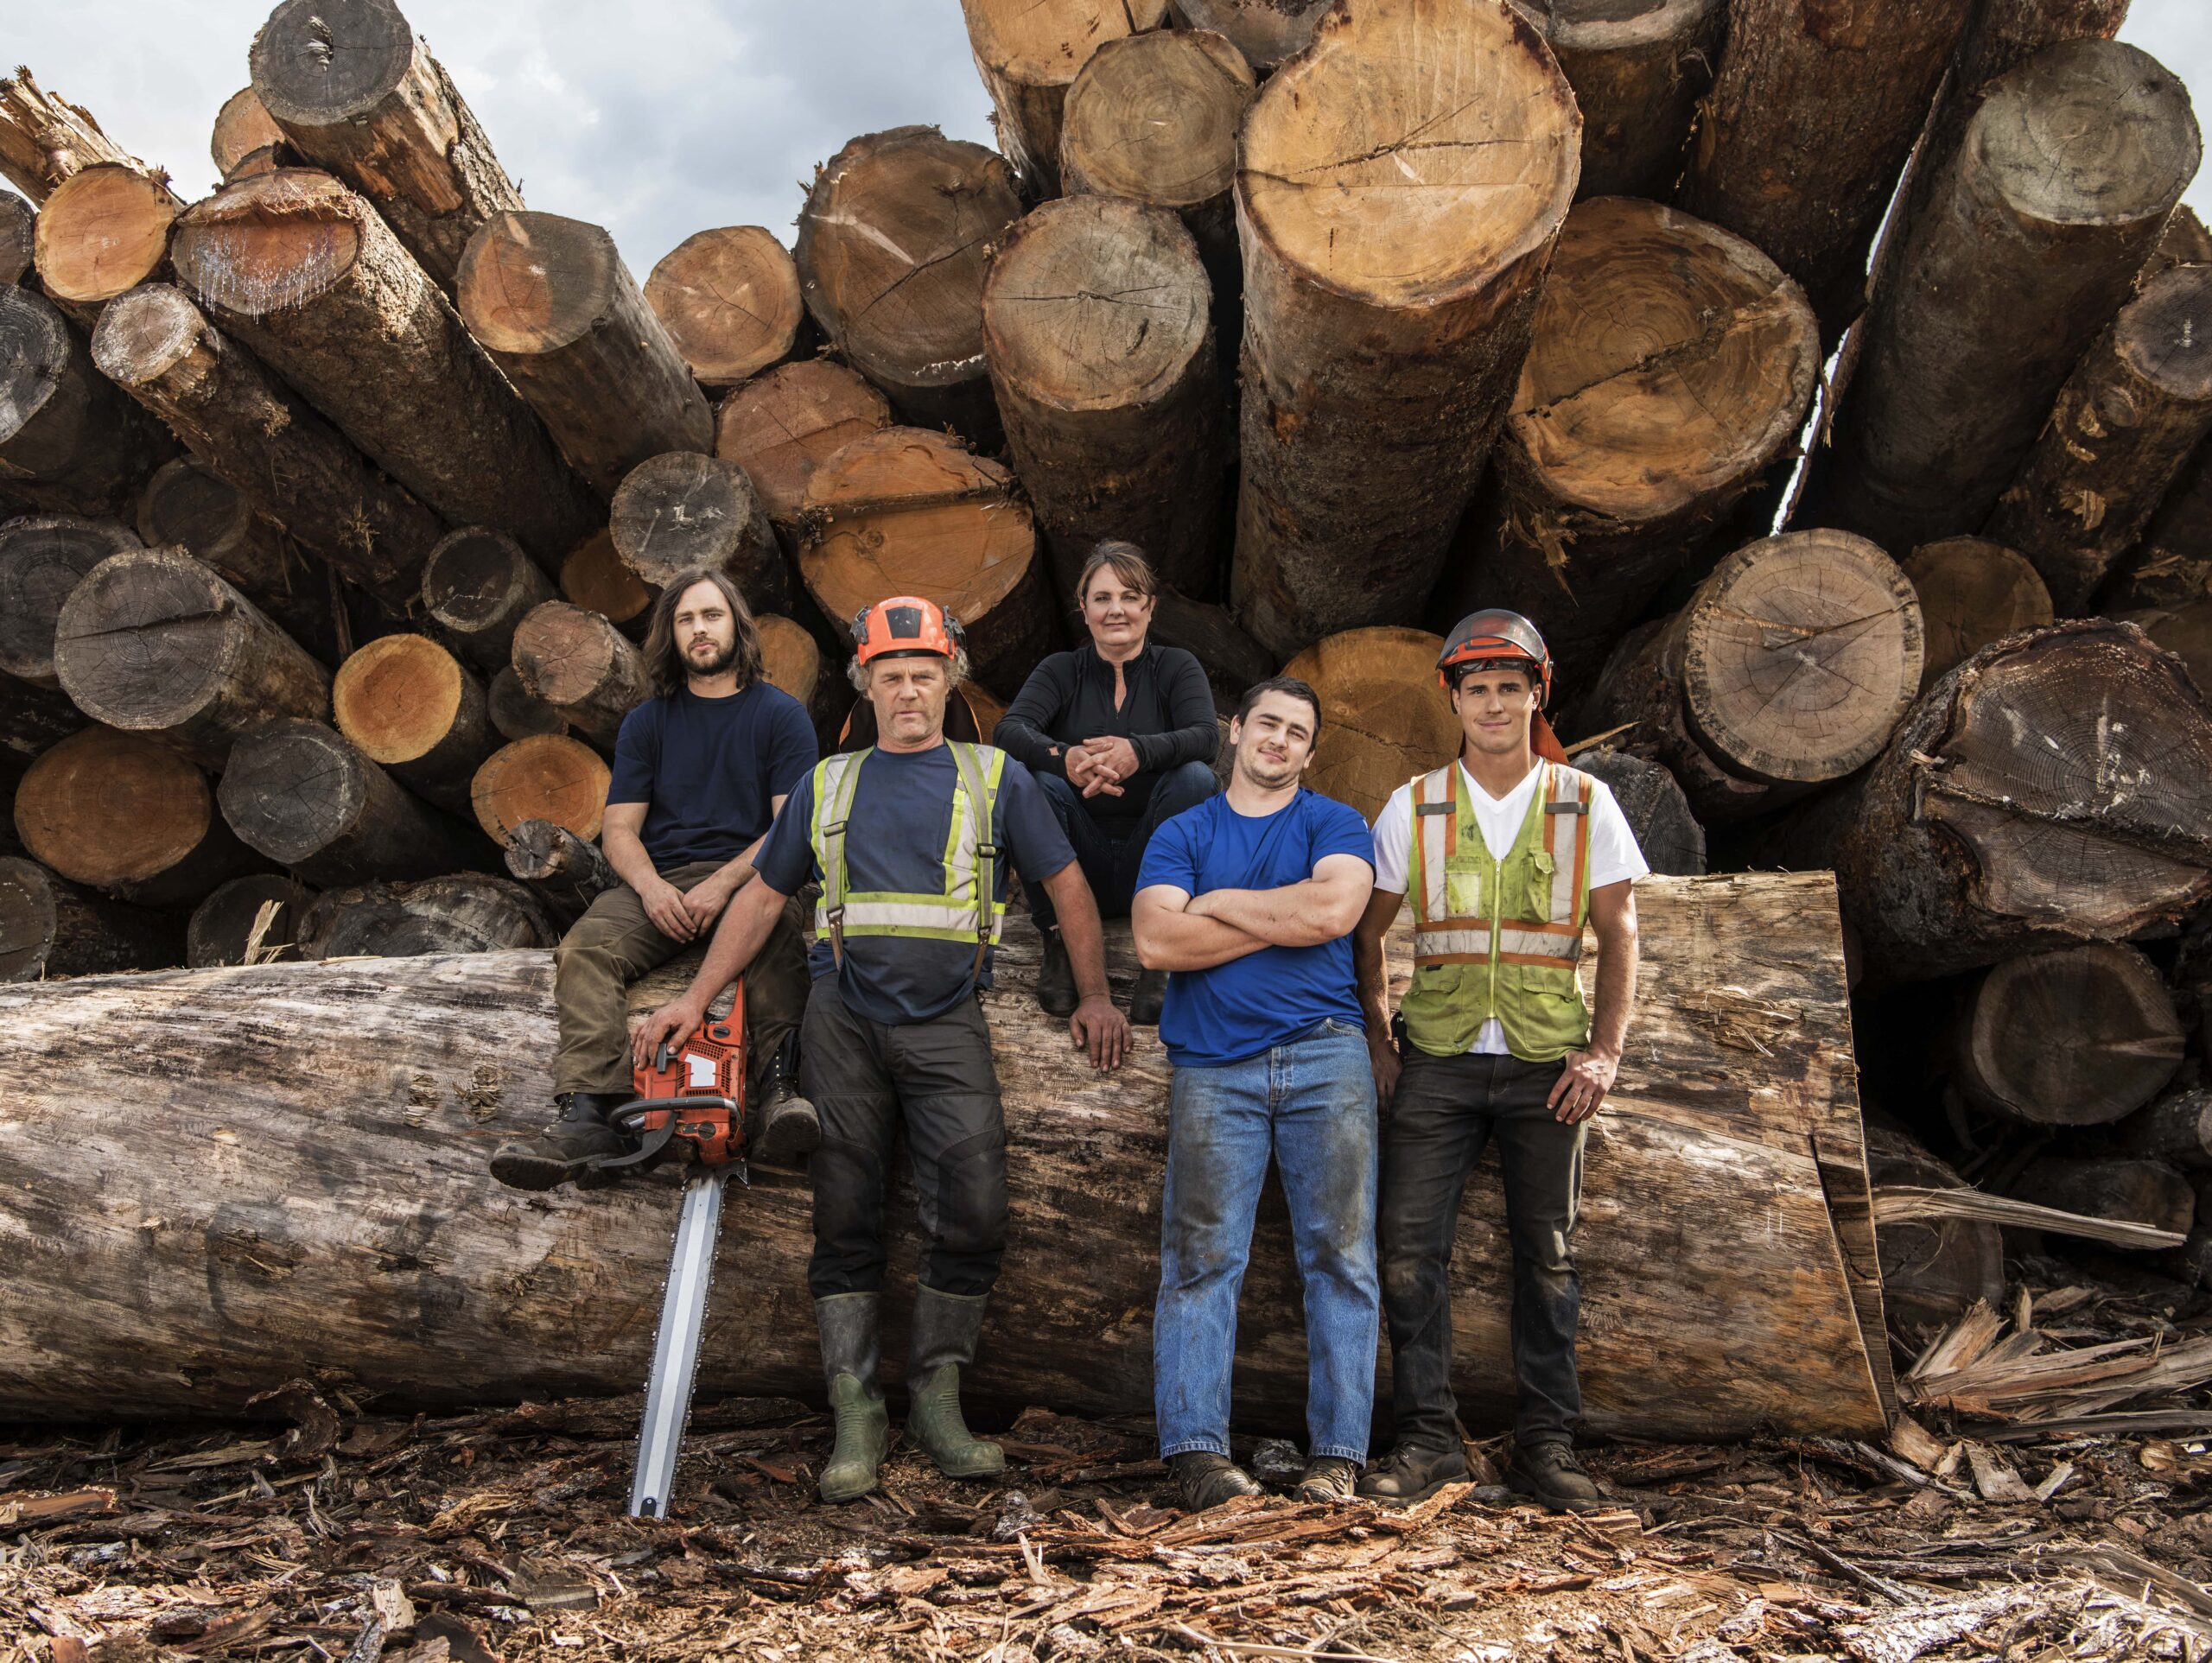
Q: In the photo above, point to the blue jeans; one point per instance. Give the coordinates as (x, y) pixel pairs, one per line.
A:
(1311, 1104)
(1111, 864)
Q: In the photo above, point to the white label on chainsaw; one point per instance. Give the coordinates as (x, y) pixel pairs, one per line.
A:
(701, 1070)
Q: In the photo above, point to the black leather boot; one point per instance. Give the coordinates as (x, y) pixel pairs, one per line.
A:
(790, 1129)
(565, 1150)
(1551, 1474)
(1207, 1479)
(946, 1328)
(1148, 998)
(1413, 1472)
(1056, 995)
(851, 1354)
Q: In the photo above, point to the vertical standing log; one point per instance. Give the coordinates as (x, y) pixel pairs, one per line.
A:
(2133, 409)
(1384, 719)
(595, 578)
(152, 641)
(409, 707)
(552, 302)
(104, 231)
(1027, 52)
(251, 428)
(681, 511)
(49, 929)
(730, 300)
(1671, 370)
(356, 93)
(1389, 296)
(546, 776)
(892, 249)
(188, 506)
(782, 426)
(43, 558)
(242, 127)
(18, 237)
(565, 872)
(517, 712)
(1638, 68)
(2029, 245)
(1265, 31)
(478, 584)
(2083, 1035)
(69, 441)
(1095, 325)
(580, 663)
(44, 138)
(305, 273)
(225, 925)
(1972, 592)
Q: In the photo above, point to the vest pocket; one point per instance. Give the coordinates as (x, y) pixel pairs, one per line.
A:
(1463, 890)
(1537, 905)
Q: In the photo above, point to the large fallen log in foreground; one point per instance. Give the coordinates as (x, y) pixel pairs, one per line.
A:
(214, 1181)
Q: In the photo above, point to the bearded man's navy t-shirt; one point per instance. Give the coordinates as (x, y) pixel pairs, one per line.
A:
(709, 771)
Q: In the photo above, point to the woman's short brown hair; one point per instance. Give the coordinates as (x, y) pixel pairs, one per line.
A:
(1129, 563)
(664, 661)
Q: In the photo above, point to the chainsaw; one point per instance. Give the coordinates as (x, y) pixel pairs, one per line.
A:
(689, 1106)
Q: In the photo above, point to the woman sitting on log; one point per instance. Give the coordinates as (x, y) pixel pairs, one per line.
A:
(1121, 734)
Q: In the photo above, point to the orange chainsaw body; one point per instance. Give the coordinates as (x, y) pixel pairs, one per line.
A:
(696, 1090)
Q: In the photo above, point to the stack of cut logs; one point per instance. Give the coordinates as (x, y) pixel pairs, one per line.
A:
(332, 504)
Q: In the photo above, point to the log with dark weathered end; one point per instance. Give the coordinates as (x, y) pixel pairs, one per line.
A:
(1387, 309)
(1706, 1140)
(247, 426)
(70, 442)
(1266, 31)
(2081, 1035)
(1027, 53)
(225, 925)
(565, 872)
(49, 928)
(2134, 1191)
(104, 231)
(459, 912)
(33, 718)
(187, 505)
(411, 707)
(1972, 592)
(729, 301)
(18, 236)
(1383, 718)
(1638, 70)
(541, 777)
(2177, 1128)
(581, 664)
(356, 93)
(1672, 841)
(476, 585)
(552, 302)
(43, 558)
(517, 712)
(782, 426)
(682, 511)
(1232, 659)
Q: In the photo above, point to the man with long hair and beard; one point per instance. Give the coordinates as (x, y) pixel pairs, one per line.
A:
(700, 770)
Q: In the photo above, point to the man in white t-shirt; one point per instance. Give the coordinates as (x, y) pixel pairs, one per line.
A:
(1506, 853)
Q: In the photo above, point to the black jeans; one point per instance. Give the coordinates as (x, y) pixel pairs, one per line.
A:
(1110, 863)
(867, 1078)
(1446, 1110)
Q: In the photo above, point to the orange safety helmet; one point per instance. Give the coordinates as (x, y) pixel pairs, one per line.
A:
(1495, 636)
(906, 626)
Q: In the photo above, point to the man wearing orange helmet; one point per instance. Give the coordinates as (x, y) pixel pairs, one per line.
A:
(910, 841)
(1506, 853)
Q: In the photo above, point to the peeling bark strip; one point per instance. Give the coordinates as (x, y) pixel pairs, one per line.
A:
(1384, 719)
(43, 558)
(1972, 592)
(1399, 189)
(1027, 53)
(782, 426)
(2083, 1035)
(476, 585)
(104, 230)
(582, 666)
(49, 928)
(681, 511)
(543, 777)
(307, 275)
(1265, 31)
(1638, 68)
(69, 442)
(1095, 326)
(1671, 372)
(410, 707)
(356, 93)
(251, 428)
(1703, 1204)
(730, 300)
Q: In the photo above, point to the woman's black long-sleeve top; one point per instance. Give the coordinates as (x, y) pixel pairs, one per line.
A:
(1167, 716)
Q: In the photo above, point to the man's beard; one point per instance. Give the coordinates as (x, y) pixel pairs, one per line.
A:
(723, 658)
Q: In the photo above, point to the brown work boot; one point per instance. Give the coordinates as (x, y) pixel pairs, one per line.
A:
(565, 1151)
(790, 1129)
(1549, 1472)
(1056, 989)
(1207, 1479)
(1331, 1478)
(1412, 1472)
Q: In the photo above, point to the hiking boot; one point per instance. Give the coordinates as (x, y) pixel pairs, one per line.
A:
(790, 1129)
(1549, 1472)
(566, 1150)
(1207, 1479)
(850, 1354)
(946, 1328)
(1331, 1478)
(1146, 999)
(1413, 1472)
(1056, 994)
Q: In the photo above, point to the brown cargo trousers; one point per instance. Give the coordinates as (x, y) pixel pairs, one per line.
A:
(614, 943)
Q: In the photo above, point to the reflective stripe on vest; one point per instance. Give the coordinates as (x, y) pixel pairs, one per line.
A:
(1441, 937)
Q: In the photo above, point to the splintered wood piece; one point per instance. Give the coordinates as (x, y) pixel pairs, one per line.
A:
(153, 641)
(1027, 53)
(594, 577)
(409, 706)
(565, 872)
(1384, 719)
(546, 776)
(190, 507)
(358, 93)
(683, 512)
(1153, 117)
(245, 424)
(305, 797)
(2134, 1191)
(44, 138)
(1972, 592)
(1934, 1268)
(104, 230)
(129, 816)
(552, 302)
(262, 910)
(49, 928)
(581, 665)
(242, 127)
(308, 275)
(730, 300)
(70, 442)
(1102, 358)
(1638, 68)
(478, 584)
(782, 426)
(791, 659)
(1388, 306)
(517, 712)
(908, 512)
(1265, 31)
(459, 912)
(18, 237)
(2078, 1037)
(43, 558)
(893, 245)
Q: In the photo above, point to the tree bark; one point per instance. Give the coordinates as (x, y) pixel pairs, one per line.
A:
(242, 127)
(43, 558)
(517, 712)
(410, 707)
(1933, 1270)
(1706, 1140)
(1671, 372)
(252, 429)
(1266, 31)
(357, 94)
(582, 666)
(49, 929)
(566, 873)
(1658, 813)
(1384, 719)
(2138, 1192)
(44, 139)
(463, 912)
(1026, 55)
(907, 511)
(1386, 312)
(32, 718)
(18, 237)
(127, 815)
(683, 512)
(1972, 592)
(594, 577)
(2082, 1035)
(782, 426)
(1811, 117)
(791, 659)
(223, 925)
(104, 231)
(2135, 407)
(2184, 630)
(552, 302)
(2030, 241)
(70, 442)
(1232, 659)
(305, 273)
(1638, 71)
(1791, 666)
(308, 799)
(545, 776)
(730, 300)
(892, 244)
(1096, 326)
(153, 641)
(188, 505)
(476, 585)
(2056, 787)
(2176, 1129)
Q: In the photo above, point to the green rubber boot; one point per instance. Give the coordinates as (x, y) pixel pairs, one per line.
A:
(850, 1355)
(946, 1327)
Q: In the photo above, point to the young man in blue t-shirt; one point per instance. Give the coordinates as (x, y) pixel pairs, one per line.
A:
(700, 770)
(1249, 900)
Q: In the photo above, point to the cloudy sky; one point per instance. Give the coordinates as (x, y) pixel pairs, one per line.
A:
(656, 119)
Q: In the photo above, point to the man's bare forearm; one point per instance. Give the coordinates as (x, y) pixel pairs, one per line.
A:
(1298, 915)
(1370, 965)
(1616, 969)
(746, 923)
(626, 854)
(1080, 930)
(1172, 940)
